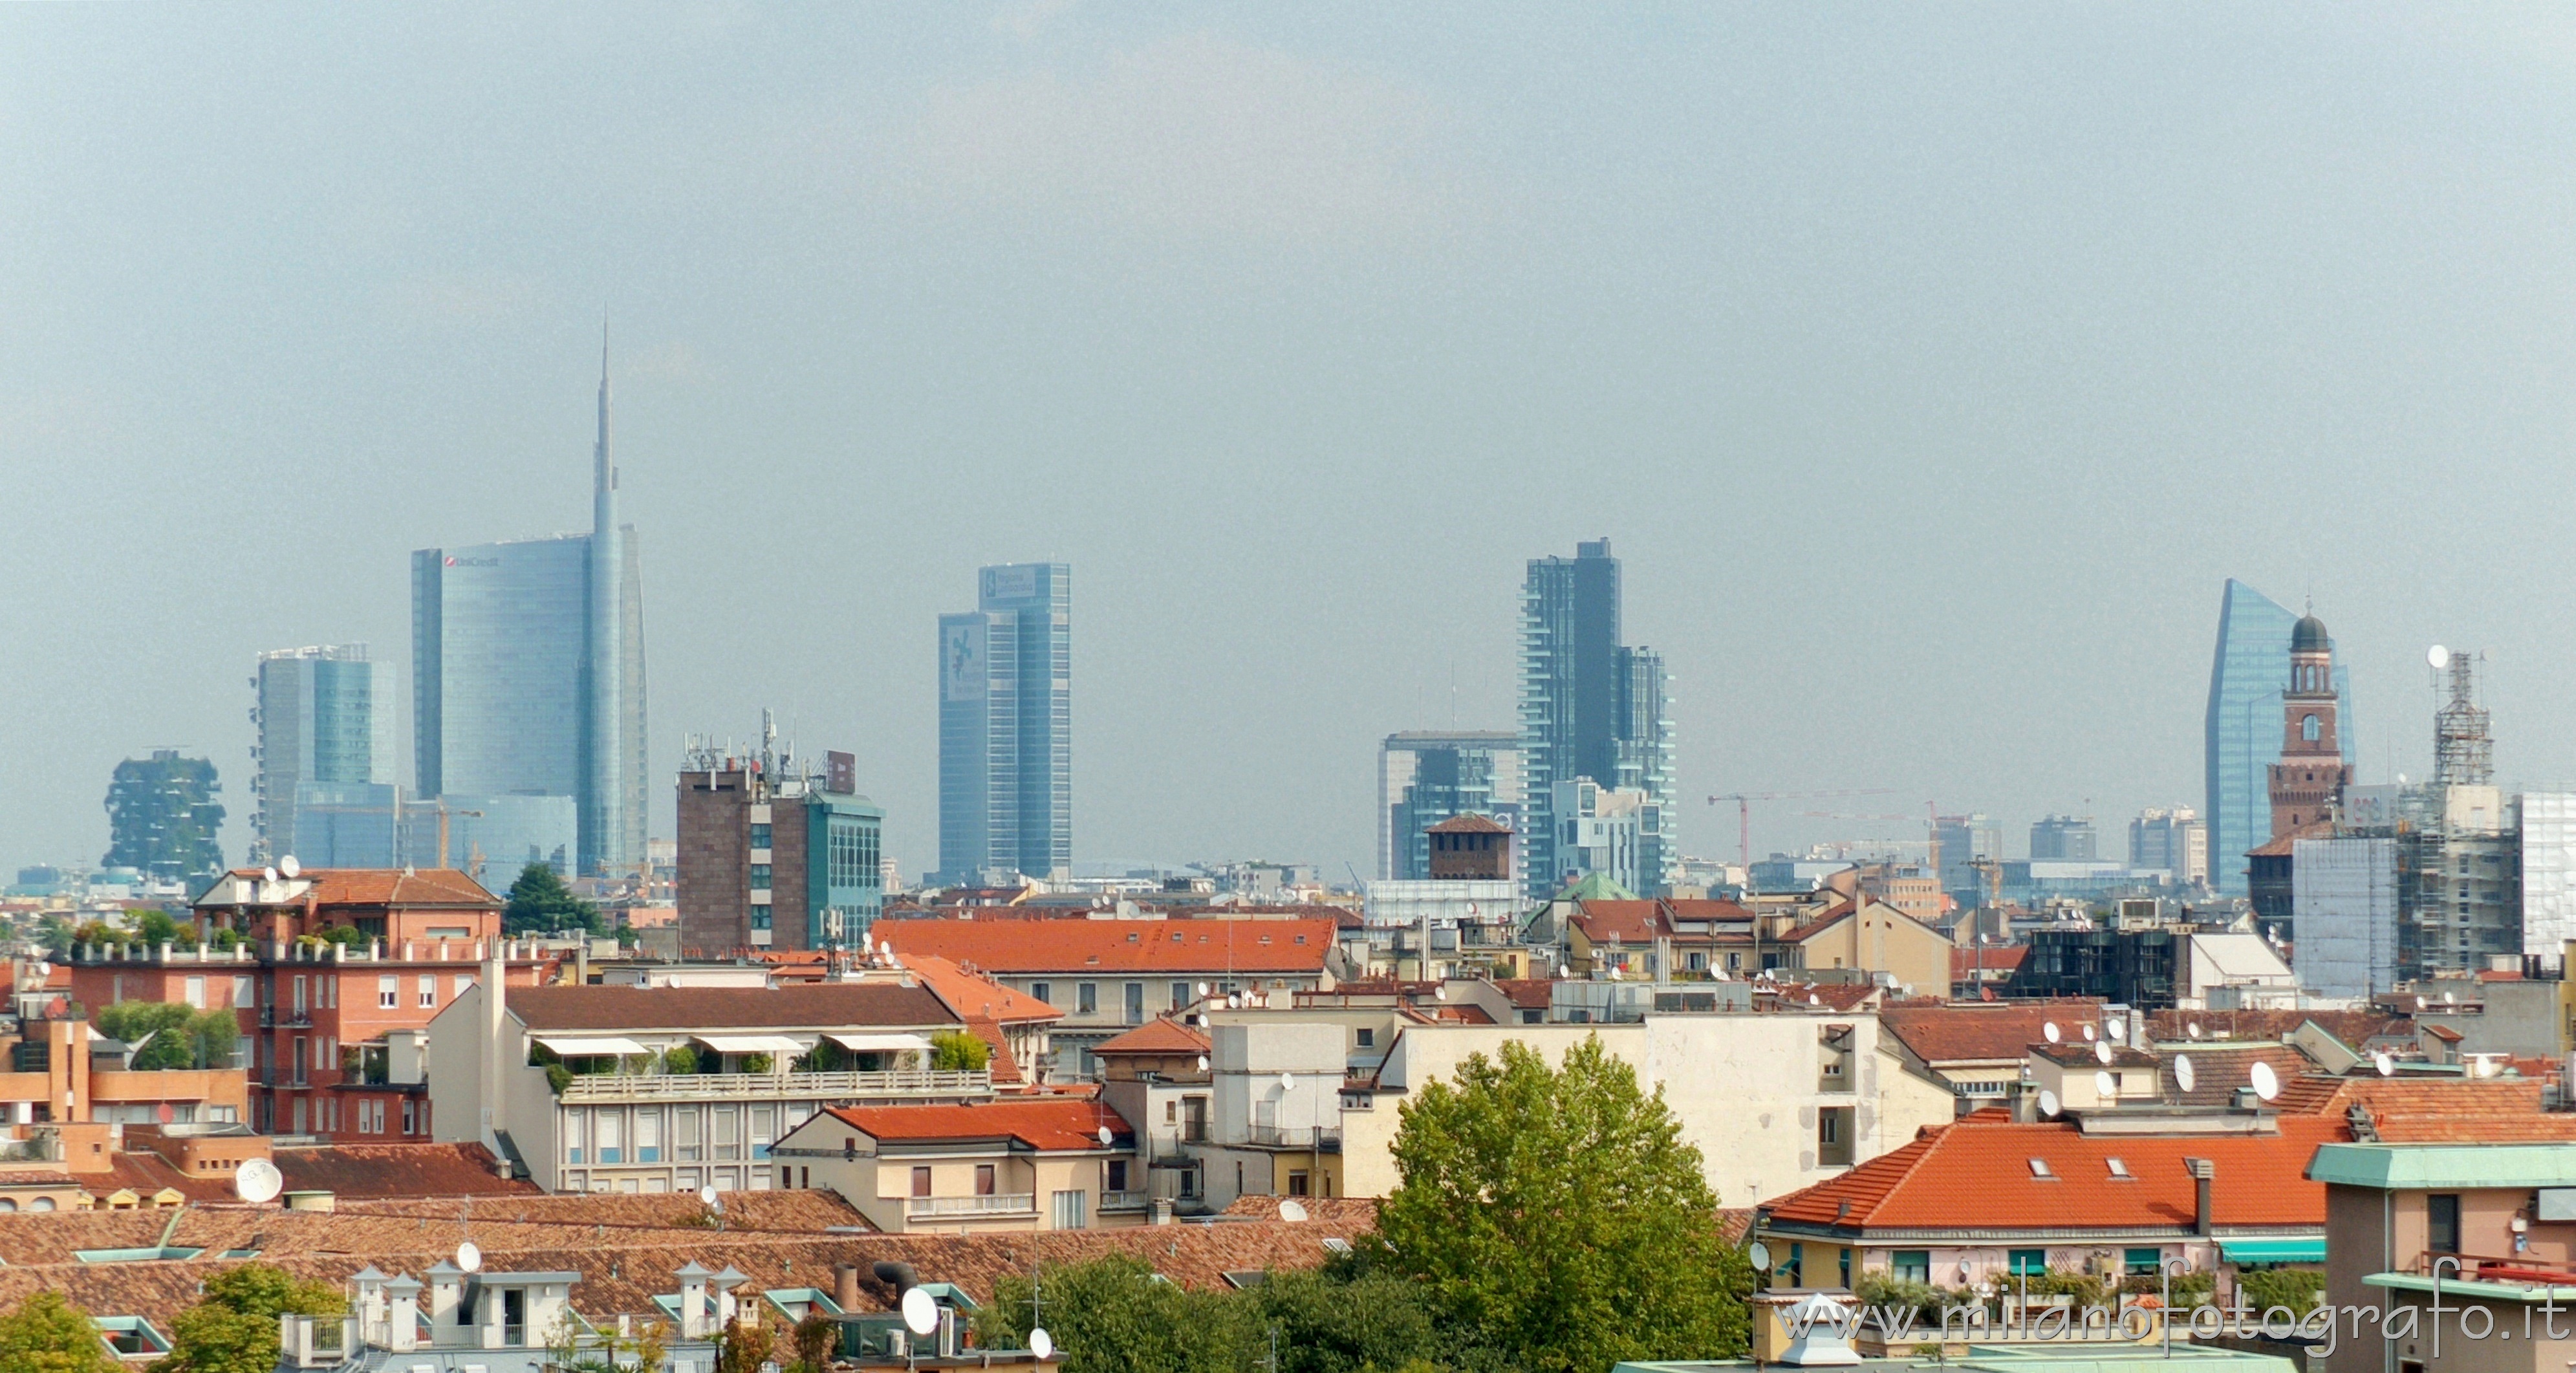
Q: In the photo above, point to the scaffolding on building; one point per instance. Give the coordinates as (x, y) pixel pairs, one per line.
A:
(2463, 754)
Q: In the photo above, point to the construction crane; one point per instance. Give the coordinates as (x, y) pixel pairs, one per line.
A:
(1744, 810)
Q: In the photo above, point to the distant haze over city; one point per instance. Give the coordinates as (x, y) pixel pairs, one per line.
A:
(1930, 372)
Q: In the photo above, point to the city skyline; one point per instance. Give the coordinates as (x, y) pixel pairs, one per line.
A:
(1937, 419)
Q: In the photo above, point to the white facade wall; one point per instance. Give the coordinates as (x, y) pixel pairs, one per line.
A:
(2548, 871)
(2343, 908)
(1446, 905)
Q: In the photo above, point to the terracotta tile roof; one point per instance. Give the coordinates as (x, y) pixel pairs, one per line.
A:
(371, 1171)
(1977, 1173)
(975, 997)
(1981, 1031)
(2082, 1054)
(999, 1060)
(2218, 1070)
(1469, 823)
(2433, 1110)
(147, 1174)
(1359, 1213)
(1063, 1123)
(1835, 996)
(1627, 922)
(2444, 1033)
(1526, 993)
(1824, 920)
(1162, 1035)
(2008, 958)
(818, 1006)
(1155, 947)
(2354, 1028)
(389, 887)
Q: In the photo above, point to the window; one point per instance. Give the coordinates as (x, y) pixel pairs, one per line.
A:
(1910, 1265)
(2442, 1222)
(409, 1117)
(759, 876)
(1834, 1136)
(2308, 728)
(920, 1182)
(241, 991)
(2032, 1263)
(1117, 1175)
(1796, 1271)
(463, 981)
(387, 992)
(684, 1136)
(1069, 1211)
(1039, 990)
(760, 836)
(1135, 1003)
(299, 995)
(2141, 1263)
(2039, 1169)
(760, 917)
(648, 1135)
(196, 992)
(984, 1180)
(2119, 1169)
(1845, 1258)
(764, 1128)
(1086, 999)
(727, 1121)
(608, 1138)
(1180, 995)
(1368, 1037)
(572, 1136)
(428, 992)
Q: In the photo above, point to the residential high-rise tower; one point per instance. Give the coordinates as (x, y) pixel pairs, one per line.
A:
(1005, 728)
(1591, 709)
(528, 672)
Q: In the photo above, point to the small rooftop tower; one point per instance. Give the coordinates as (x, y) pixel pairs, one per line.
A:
(2463, 754)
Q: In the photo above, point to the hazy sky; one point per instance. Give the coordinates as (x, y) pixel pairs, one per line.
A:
(1929, 367)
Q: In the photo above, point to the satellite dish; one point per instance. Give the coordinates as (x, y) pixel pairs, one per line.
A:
(2185, 1076)
(2438, 656)
(1758, 1256)
(1203, 1063)
(2419, 1003)
(257, 1181)
(2117, 1029)
(1440, 993)
(2267, 1084)
(469, 1257)
(2105, 1085)
(44, 969)
(2102, 1053)
(1287, 1082)
(1203, 989)
(707, 1196)
(2088, 1033)
(920, 1311)
(1041, 1343)
(2048, 1031)
(268, 875)
(288, 867)
(2192, 1029)
(1814, 1000)
(2450, 999)
(2387, 1066)
(1105, 1136)
(2048, 1103)
(1292, 1210)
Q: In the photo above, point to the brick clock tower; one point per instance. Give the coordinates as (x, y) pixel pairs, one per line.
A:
(2308, 782)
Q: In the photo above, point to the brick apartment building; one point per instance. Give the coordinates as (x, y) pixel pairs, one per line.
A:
(315, 1014)
(772, 860)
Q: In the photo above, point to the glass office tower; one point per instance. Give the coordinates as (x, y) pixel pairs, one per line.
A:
(2243, 727)
(1590, 708)
(528, 675)
(1427, 776)
(325, 719)
(1005, 728)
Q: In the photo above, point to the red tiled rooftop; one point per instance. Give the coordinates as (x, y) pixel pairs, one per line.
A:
(1977, 1172)
(1060, 1123)
(1165, 947)
(388, 887)
(1470, 823)
(1158, 1036)
(1983, 1031)
(976, 997)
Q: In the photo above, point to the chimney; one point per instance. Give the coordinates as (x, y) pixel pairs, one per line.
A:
(2204, 1172)
(845, 1286)
(403, 1334)
(495, 1094)
(693, 1301)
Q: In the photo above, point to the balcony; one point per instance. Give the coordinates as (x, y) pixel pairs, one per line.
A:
(957, 1208)
(773, 1086)
(273, 1018)
(1124, 1201)
(1314, 1137)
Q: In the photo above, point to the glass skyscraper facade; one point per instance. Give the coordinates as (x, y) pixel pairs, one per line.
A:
(528, 675)
(1427, 776)
(325, 722)
(2243, 727)
(1591, 708)
(1005, 727)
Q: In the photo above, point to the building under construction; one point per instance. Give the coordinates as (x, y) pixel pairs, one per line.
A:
(2458, 850)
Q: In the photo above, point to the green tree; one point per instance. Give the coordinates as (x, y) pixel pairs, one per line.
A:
(744, 1347)
(955, 1052)
(1557, 1220)
(47, 1334)
(1112, 1314)
(172, 1035)
(540, 903)
(153, 926)
(816, 1338)
(233, 1328)
(1343, 1322)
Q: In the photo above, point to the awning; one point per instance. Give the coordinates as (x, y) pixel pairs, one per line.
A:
(881, 1043)
(752, 1044)
(585, 1046)
(2274, 1251)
